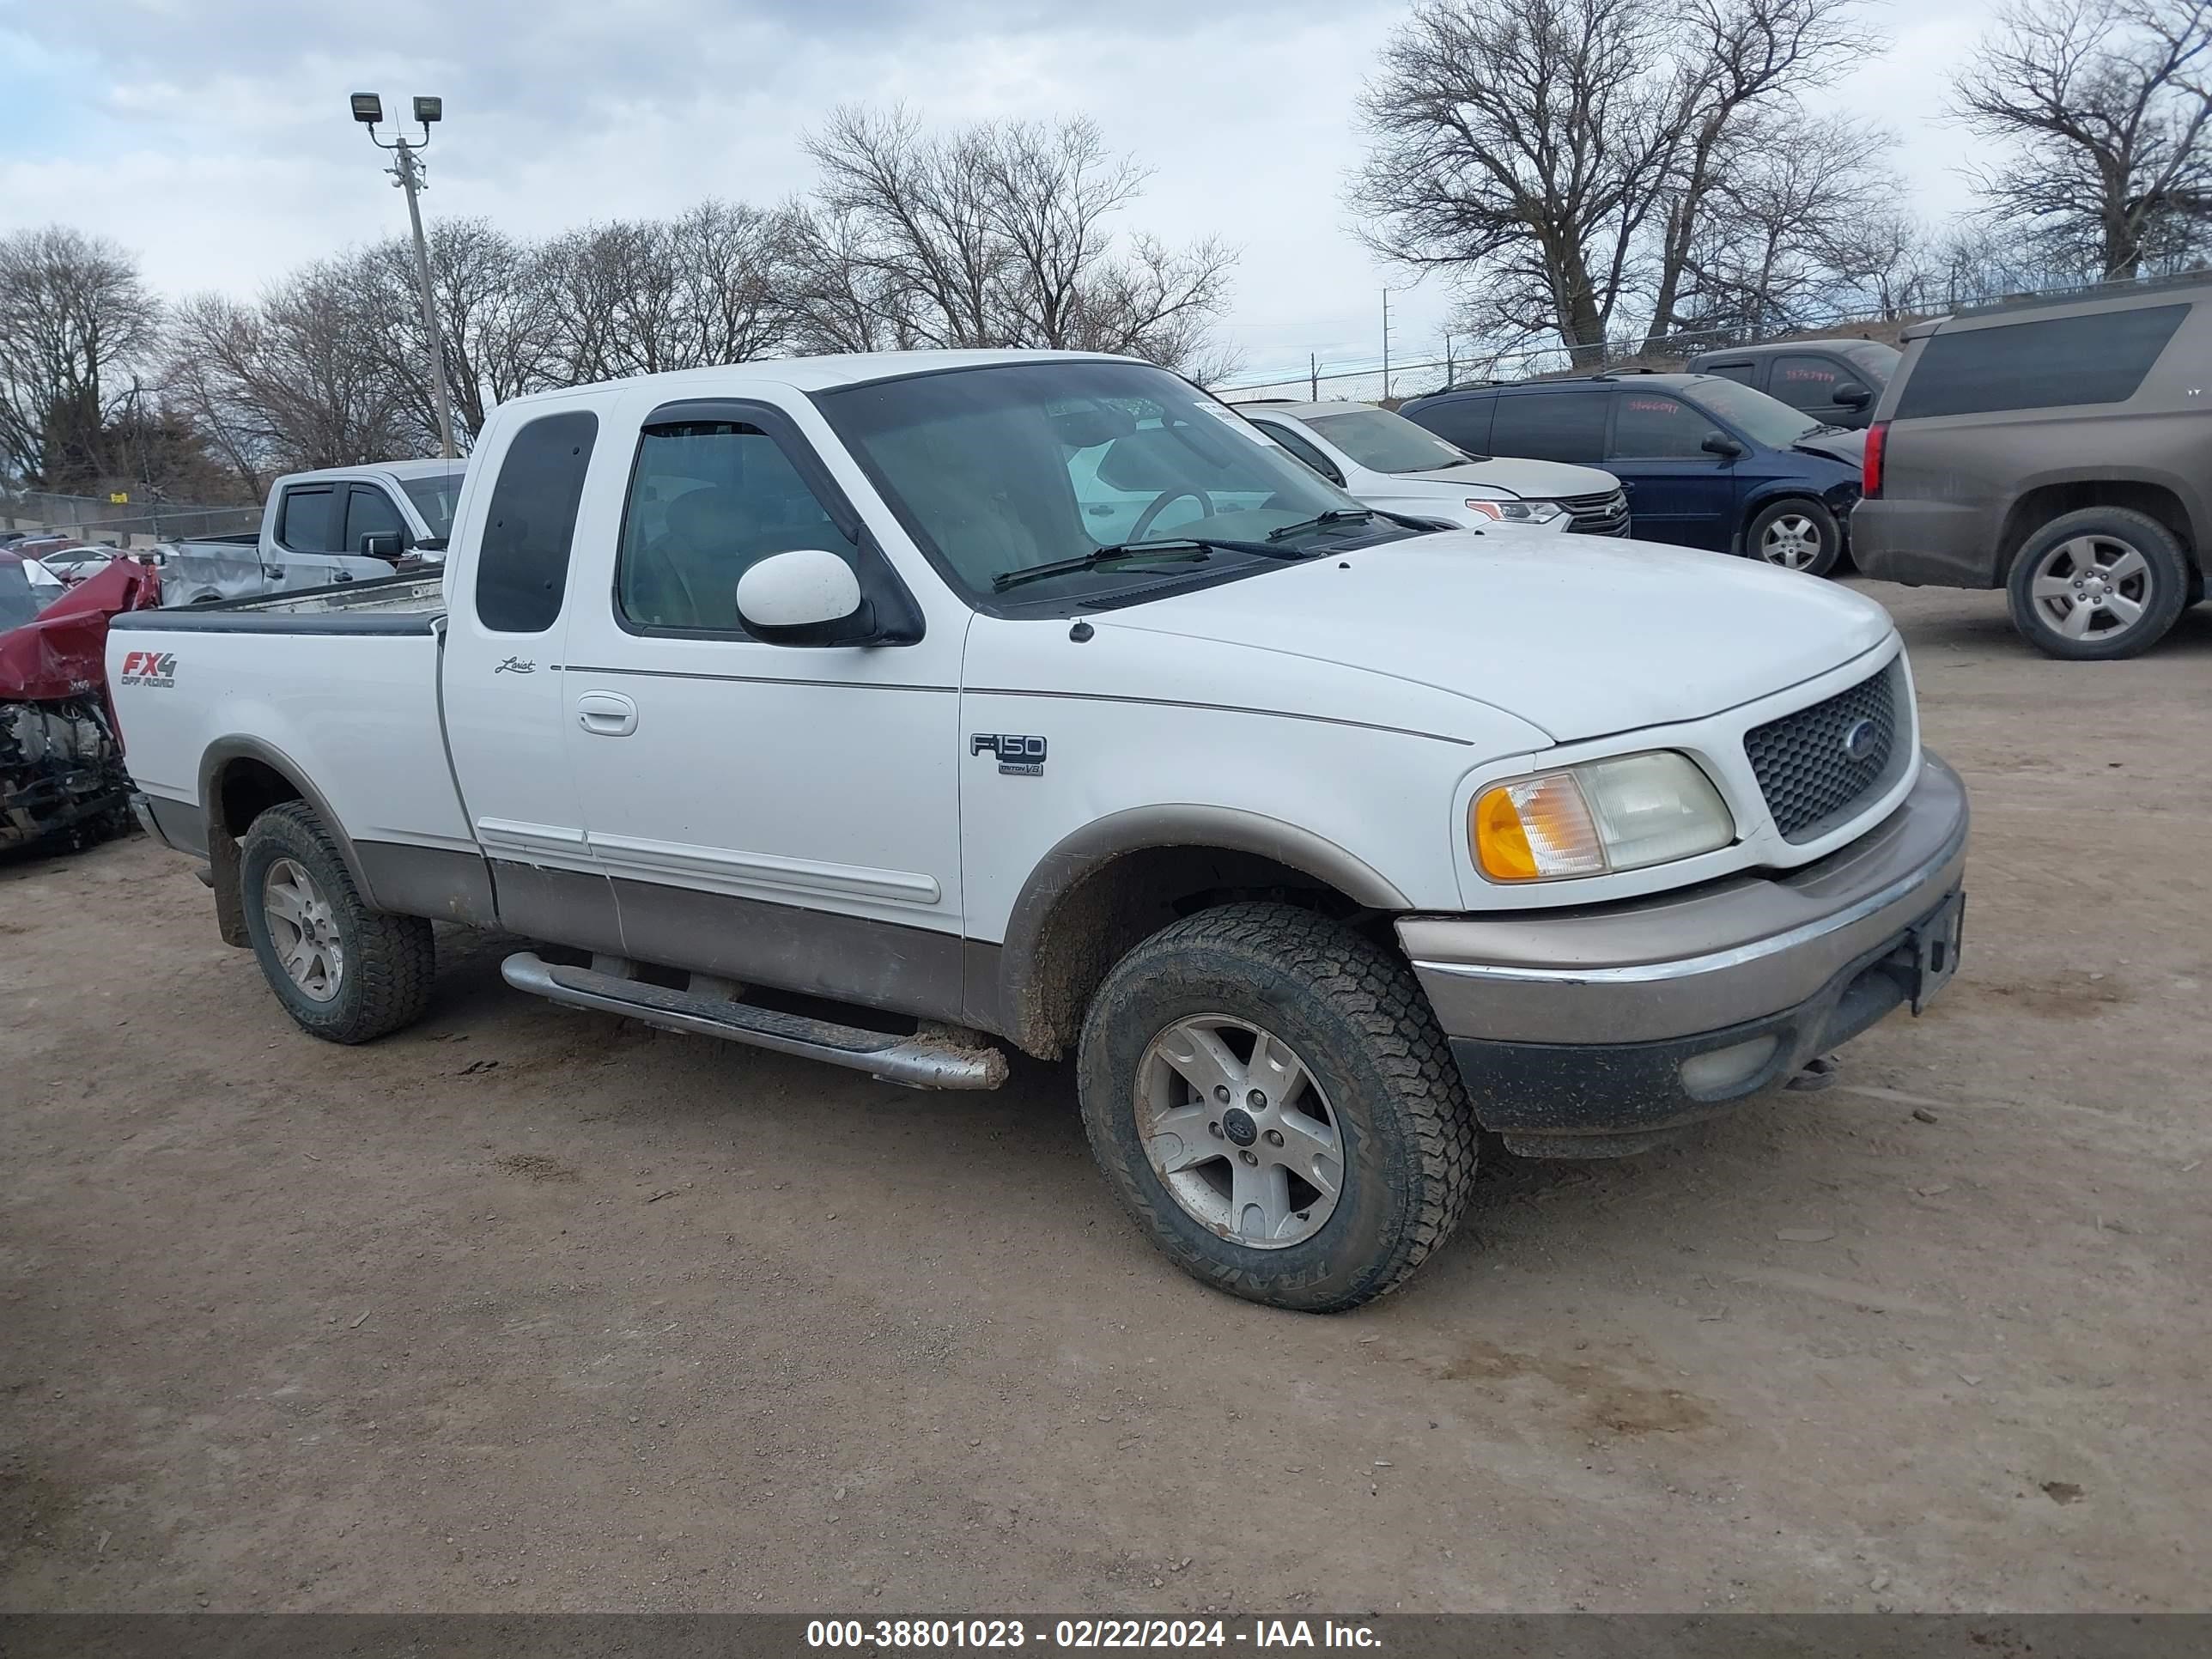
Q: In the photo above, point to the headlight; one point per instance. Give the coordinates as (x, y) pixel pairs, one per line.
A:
(1596, 818)
(1529, 513)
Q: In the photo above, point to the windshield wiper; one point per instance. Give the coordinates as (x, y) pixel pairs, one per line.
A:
(1322, 520)
(1188, 549)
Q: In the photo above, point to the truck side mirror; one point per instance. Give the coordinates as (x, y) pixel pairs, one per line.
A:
(807, 596)
(1851, 395)
(383, 544)
(1719, 444)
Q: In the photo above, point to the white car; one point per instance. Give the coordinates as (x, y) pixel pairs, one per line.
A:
(1384, 460)
(1035, 700)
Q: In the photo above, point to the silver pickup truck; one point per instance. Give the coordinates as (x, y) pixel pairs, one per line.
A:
(342, 524)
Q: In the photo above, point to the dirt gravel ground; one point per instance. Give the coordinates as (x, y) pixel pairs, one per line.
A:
(531, 1309)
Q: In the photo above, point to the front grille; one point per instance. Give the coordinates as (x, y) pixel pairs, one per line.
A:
(1597, 515)
(1811, 784)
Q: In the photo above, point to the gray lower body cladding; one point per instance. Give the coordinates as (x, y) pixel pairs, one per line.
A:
(1927, 543)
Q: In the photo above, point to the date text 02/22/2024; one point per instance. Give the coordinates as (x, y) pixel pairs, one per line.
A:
(1082, 1634)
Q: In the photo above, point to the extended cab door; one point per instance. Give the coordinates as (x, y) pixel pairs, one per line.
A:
(506, 716)
(773, 814)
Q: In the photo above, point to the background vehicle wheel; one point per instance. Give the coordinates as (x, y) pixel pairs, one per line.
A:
(346, 973)
(1270, 1098)
(2099, 584)
(1797, 534)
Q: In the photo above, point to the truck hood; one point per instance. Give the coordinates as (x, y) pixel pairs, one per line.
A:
(1577, 635)
(1534, 481)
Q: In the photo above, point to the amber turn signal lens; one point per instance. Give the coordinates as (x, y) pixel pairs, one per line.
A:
(1500, 842)
(1535, 828)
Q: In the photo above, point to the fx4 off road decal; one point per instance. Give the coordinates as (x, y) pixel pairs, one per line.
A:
(151, 668)
(1019, 757)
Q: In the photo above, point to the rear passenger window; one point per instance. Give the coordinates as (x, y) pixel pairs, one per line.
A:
(303, 521)
(708, 500)
(1463, 420)
(1805, 382)
(1742, 374)
(2099, 359)
(522, 568)
(1550, 426)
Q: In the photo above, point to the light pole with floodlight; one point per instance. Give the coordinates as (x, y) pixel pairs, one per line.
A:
(406, 171)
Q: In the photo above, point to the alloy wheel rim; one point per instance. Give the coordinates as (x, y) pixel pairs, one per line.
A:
(1792, 541)
(2091, 587)
(303, 930)
(1240, 1131)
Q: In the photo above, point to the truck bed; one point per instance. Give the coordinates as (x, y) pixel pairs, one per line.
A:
(335, 687)
(396, 605)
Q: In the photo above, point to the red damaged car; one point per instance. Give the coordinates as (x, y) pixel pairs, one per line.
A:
(61, 757)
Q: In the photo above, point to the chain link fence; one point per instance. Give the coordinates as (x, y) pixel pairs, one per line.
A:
(1457, 363)
(126, 524)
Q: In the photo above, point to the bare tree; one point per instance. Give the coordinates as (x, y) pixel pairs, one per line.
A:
(2107, 103)
(73, 313)
(1778, 243)
(494, 322)
(294, 380)
(1742, 55)
(1524, 147)
(997, 235)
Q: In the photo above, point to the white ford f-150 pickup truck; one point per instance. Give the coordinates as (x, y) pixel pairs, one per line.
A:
(1317, 837)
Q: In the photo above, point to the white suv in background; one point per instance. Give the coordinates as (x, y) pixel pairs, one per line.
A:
(1386, 461)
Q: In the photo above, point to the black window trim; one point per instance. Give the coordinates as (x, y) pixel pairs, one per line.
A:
(899, 619)
(1328, 469)
(326, 488)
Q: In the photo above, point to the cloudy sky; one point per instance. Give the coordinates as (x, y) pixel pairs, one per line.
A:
(211, 136)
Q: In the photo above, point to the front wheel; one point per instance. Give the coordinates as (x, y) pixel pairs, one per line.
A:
(346, 973)
(2099, 584)
(1796, 535)
(1270, 1098)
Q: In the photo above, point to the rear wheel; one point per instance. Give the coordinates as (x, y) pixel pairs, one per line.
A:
(346, 973)
(1270, 1098)
(1797, 534)
(2102, 583)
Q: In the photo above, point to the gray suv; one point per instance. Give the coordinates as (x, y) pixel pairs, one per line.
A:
(2059, 448)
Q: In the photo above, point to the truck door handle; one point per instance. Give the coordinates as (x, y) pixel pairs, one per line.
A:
(606, 714)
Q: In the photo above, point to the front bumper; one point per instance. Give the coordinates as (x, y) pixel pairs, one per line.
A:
(1588, 1032)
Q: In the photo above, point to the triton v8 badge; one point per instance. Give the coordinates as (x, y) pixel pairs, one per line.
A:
(1019, 757)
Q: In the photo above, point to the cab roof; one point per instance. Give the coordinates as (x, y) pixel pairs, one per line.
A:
(831, 373)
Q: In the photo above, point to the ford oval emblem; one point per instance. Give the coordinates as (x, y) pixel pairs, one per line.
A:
(1860, 739)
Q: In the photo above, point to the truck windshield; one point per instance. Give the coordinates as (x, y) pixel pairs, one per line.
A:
(1005, 467)
(1377, 438)
(434, 497)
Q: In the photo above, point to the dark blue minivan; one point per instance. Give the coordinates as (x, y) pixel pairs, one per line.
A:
(1706, 462)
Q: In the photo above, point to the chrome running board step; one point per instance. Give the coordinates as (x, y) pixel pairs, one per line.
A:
(926, 1059)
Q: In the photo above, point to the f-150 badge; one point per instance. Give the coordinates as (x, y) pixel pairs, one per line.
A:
(1019, 757)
